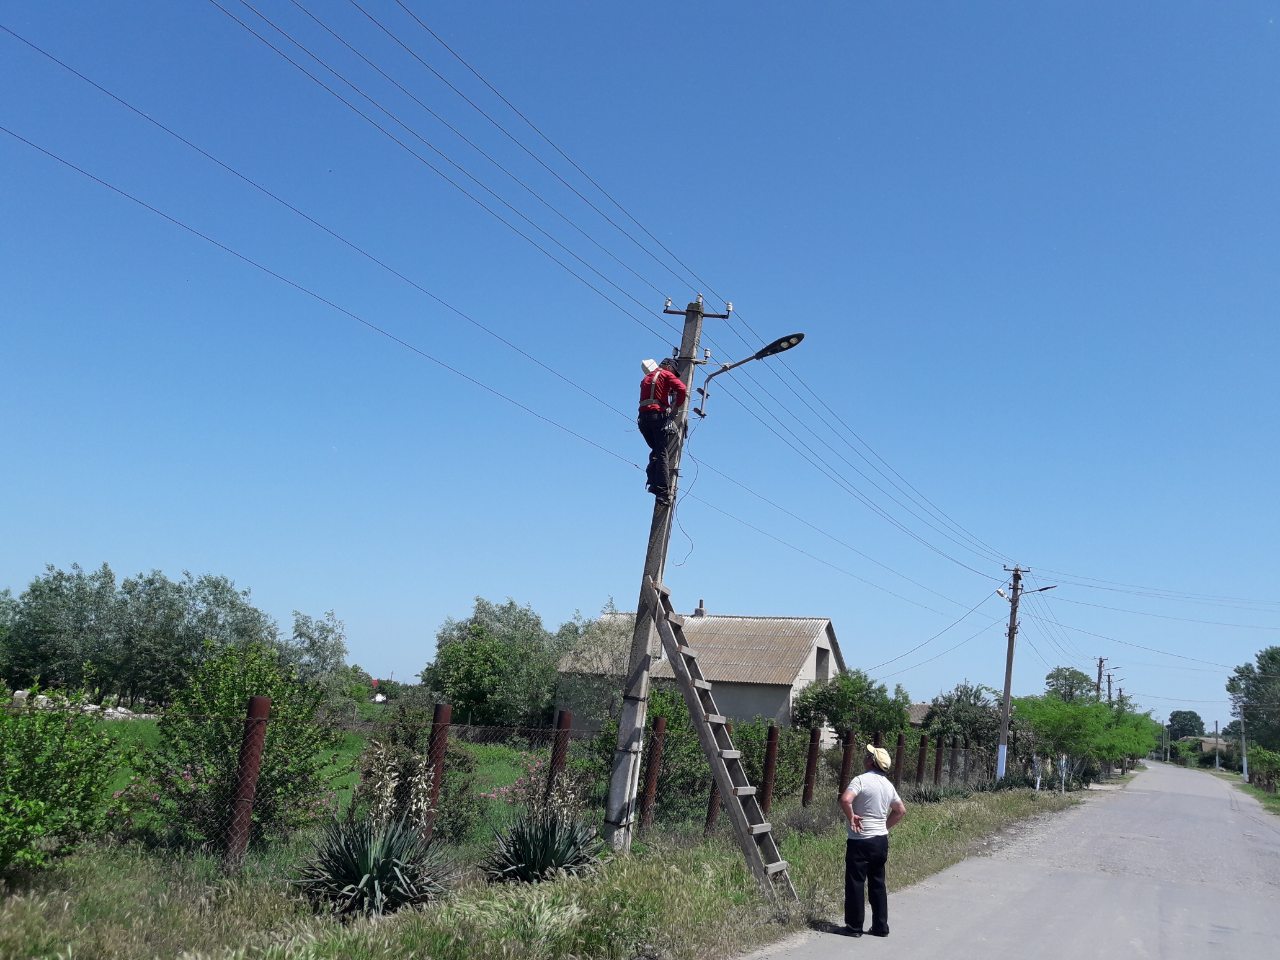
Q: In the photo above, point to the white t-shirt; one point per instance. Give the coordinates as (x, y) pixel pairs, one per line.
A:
(875, 794)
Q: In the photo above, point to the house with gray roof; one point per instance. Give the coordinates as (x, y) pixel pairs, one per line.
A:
(756, 665)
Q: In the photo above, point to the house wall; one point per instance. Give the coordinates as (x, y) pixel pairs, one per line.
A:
(746, 701)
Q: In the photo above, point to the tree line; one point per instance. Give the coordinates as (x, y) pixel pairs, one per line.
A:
(140, 639)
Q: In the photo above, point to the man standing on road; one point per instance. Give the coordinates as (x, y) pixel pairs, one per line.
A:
(662, 393)
(872, 808)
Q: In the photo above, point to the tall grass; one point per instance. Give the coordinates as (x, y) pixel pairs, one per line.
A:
(676, 897)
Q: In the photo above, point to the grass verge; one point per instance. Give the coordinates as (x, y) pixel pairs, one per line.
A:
(1270, 801)
(676, 897)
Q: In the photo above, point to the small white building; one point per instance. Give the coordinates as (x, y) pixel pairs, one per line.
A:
(756, 665)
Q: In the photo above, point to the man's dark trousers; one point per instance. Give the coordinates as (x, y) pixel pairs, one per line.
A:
(653, 427)
(864, 861)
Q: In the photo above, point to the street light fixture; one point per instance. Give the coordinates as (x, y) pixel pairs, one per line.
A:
(781, 345)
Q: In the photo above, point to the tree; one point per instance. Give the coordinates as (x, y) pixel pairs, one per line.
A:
(497, 667)
(1068, 683)
(1185, 723)
(594, 656)
(1061, 726)
(852, 702)
(1254, 689)
(969, 712)
(318, 648)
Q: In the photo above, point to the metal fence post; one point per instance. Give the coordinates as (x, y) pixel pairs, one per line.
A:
(937, 762)
(846, 762)
(255, 735)
(652, 770)
(559, 748)
(437, 748)
(922, 758)
(811, 767)
(953, 761)
(897, 758)
(770, 767)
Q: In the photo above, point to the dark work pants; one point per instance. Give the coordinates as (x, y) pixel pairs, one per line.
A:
(653, 427)
(864, 861)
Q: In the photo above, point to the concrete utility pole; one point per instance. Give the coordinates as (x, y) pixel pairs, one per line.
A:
(1244, 749)
(625, 780)
(1108, 688)
(1015, 591)
(1097, 687)
(1216, 764)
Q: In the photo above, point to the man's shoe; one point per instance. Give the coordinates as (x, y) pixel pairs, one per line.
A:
(852, 931)
(879, 933)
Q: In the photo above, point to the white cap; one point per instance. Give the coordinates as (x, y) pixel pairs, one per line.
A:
(648, 366)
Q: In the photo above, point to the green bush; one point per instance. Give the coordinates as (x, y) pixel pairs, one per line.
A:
(538, 847)
(187, 783)
(55, 765)
(372, 867)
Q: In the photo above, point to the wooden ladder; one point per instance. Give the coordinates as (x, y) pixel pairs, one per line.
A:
(754, 833)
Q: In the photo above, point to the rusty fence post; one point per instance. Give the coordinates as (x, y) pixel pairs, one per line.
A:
(846, 762)
(437, 748)
(876, 738)
(922, 758)
(811, 766)
(953, 762)
(651, 771)
(937, 762)
(897, 758)
(255, 735)
(964, 761)
(559, 748)
(770, 767)
(713, 799)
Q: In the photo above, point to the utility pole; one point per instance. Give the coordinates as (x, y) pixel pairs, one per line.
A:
(625, 779)
(1097, 687)
(1015, 591)
(1216, 764)
(1244, 749)
(1108, 688)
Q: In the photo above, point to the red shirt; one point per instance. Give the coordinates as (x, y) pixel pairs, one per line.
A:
(662, 390)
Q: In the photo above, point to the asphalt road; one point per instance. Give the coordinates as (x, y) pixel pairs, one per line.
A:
(1178, 864)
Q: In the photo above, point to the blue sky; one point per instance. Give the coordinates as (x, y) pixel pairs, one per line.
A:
(1033, 248)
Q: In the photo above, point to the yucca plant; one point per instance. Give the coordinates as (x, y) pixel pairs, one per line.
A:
(374, 867)
(537, 847)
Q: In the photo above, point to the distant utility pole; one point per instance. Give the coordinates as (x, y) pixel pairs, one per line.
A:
(1097, 687)
(1216, 764)
(625, 779)
(1244, 749)
(1015, 592)
(1108, 688)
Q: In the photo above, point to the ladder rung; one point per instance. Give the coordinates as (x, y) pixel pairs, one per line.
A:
(757, 828)
(730, 754)
(688, 652)
(702, 684)
(772, 868)
(676, 619)
(717, 718)
(663, 590)
(744, 791)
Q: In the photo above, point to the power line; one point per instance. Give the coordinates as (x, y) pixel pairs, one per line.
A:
(536, 129)
(1139, 646)
(925, 643)
(1164, 616)
(938, 656)
(439, 76)
(475, 146)
(387, 133)
(304, 215)
(318, 297)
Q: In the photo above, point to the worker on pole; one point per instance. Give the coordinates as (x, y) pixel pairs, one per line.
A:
(662, 393)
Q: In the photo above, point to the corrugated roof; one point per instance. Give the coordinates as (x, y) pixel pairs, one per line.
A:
(766, 650)
(916, 713)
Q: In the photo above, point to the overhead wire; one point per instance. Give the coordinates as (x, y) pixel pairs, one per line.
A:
(382, 331)
(431, 166)
(350, 244)
(925, 643)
